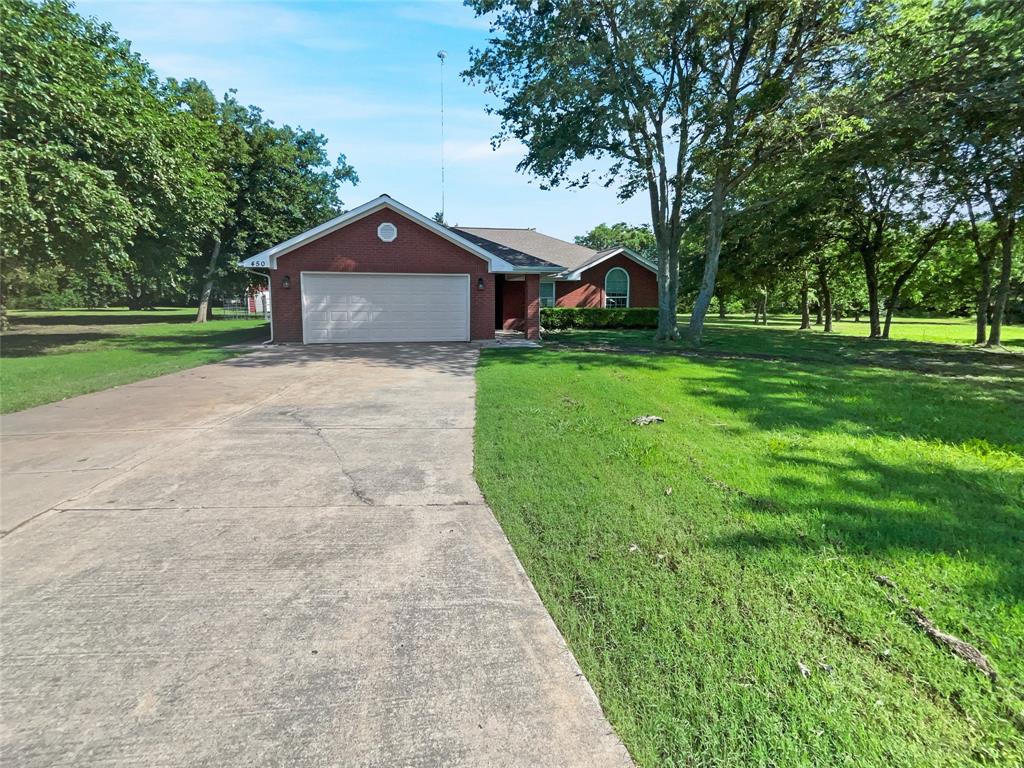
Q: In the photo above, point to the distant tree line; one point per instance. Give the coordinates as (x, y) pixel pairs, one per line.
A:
(828, 284)
(856, 155)
(120, 188)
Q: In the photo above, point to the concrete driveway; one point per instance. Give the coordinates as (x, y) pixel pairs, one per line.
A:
(282, 559)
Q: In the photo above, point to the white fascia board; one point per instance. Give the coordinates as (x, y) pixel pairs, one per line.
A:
(577, 274)
(269, 257)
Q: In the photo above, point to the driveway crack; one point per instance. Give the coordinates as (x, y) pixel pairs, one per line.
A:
(358, 492)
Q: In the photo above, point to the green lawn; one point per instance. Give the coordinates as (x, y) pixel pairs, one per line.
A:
(48, 356)
(936, 330)
(715, 574)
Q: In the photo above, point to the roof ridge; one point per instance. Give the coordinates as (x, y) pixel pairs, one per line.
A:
(518, 229)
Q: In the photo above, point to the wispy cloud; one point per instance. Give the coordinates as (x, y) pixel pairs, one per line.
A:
(445, 13)
(221, 24)
(364, 74)
(468, 151)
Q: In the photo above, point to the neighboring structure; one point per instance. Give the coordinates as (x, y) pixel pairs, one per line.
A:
(255, 301)
(383, 272)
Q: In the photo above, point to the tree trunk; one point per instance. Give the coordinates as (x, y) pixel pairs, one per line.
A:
(924, 248)
(1003, 289)
(888, 317)
(204, 312)
(984, 298)
(761, 312)
(668, 294)
(805, 306)
(721, 306)
(871, 276)
(712, 252)
(819, 312)
(825, 300)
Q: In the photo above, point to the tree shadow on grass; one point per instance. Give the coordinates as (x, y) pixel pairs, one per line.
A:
(887, 509)
(36, 344)
(100, 317)
(22, 345)
(865, 402)
(758, 343)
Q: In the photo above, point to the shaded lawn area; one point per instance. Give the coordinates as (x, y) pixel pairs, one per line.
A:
(694, 566)
(781, 339)
(48, 356)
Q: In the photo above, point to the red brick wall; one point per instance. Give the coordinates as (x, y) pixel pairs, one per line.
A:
(589, 291)
(356, 248)
(532, 306)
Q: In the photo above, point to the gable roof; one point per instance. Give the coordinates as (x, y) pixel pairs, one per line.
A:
(510, 253)
(607, 253)
(530, 241)
(496, 263)
(504, 249)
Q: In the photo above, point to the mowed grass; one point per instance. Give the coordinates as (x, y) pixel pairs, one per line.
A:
(49, 356)
(715, 574)
(910, 337)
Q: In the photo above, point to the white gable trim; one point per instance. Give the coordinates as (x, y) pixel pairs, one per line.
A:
(269, 257)
(577, 274)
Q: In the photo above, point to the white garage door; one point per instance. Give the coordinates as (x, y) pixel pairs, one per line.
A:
(340, 307)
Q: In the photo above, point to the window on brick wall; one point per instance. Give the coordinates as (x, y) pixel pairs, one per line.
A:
(616, 288)
(547, 294)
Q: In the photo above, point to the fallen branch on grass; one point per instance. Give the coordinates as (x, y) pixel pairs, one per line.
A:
(965, 651)
(960, 648)
(643, 421)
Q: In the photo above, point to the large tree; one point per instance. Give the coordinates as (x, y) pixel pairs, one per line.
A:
(89, 155)
(117, 186)
(680, 100)
(975, 95)
(282, 183)
(639, 239)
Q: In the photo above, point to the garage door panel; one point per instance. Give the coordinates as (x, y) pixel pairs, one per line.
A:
(339, 308)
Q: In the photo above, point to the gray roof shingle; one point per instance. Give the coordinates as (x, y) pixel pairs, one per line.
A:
(528, 247)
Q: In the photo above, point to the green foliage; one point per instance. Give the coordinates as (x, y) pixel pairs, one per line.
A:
(559, 318)
(51, 300)
(680, 100)
(639, 239)
(114, 184)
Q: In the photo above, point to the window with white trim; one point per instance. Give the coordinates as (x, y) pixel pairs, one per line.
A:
(616, 288)
(547, 294)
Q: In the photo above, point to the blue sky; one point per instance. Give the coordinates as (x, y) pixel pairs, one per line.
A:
(366, 75)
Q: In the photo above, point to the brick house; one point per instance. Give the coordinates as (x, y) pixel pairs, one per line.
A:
(383, 272)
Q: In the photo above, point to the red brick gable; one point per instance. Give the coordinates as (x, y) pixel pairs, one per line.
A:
(356, 248)
(589, 290)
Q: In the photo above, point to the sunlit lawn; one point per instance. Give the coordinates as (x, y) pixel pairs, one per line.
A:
(935, 330)
(714, 574)
(50, 356)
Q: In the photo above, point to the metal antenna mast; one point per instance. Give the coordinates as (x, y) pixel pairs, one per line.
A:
(442, 55)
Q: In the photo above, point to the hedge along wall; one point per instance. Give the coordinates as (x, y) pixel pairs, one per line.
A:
(560, 318)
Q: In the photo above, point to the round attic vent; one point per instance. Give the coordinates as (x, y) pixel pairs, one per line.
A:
(387, 231)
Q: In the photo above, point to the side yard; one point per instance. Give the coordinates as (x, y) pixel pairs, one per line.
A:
(48, 356)
(737, 582)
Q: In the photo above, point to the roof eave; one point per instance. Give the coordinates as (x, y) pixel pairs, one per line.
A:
(577, 273)
(269, 257)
